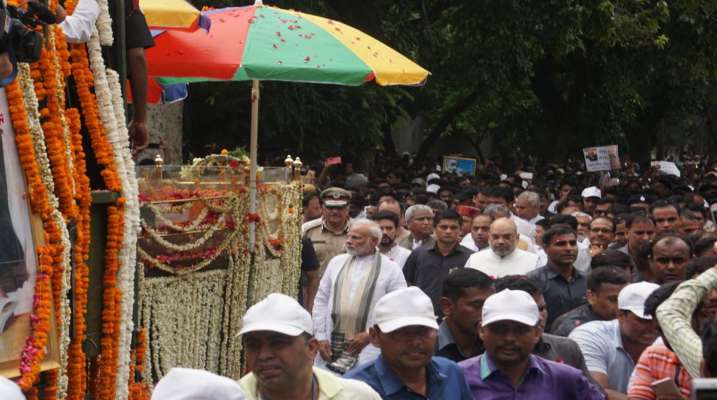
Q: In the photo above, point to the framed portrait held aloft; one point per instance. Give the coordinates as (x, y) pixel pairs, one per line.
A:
(459, 165)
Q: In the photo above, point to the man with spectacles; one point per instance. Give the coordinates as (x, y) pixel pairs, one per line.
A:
(601, 234)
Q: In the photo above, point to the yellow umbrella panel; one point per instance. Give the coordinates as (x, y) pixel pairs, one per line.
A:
(172, 14)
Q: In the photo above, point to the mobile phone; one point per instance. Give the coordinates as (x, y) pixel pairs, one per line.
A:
(336, 160)
(704, 389)
(665, 387)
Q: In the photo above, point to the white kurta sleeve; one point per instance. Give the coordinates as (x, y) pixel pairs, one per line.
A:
(78, 26)
(322, 307)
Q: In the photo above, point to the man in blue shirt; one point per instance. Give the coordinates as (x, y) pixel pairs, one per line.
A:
(406, 331)
(507, 369)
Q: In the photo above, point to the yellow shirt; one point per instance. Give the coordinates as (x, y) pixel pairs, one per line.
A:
(331, 387)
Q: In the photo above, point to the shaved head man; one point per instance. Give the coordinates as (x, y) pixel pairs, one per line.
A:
(503, 236)
(503, 257)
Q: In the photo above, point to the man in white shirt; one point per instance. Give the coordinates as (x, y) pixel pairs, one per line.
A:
(477, 240)
(388, 221)
(527, 207)
(503, 257)
(348, 292)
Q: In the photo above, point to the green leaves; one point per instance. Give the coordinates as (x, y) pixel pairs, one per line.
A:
(552, 76)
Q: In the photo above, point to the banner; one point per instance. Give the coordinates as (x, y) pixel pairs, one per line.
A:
(603, 158)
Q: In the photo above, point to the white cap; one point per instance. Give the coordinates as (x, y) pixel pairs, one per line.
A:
(195, 384)
(510, 305)
(9, 390)
(404, 307)
(433, 188)
(632, 298)
(277, 313)
(432, 175)
(591, 191)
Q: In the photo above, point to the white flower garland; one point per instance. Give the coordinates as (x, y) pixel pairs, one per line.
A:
(36, 132)
(66, 310)
(60, 93)
(38, 140)
(104, 24)
(109, 101)
(209, 232)
(184, 318)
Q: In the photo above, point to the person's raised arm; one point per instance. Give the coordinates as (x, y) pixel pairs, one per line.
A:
(675, 316)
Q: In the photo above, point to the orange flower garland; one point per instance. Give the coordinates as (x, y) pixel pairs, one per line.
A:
(138, 390)
(46, 87)
(77, 362)
(49, 255)
(111, 312)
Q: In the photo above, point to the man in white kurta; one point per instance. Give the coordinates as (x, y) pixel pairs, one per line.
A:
(361, 258)
(503, 257)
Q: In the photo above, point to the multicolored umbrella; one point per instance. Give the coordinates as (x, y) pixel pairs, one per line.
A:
(268, 43)
(172, 14)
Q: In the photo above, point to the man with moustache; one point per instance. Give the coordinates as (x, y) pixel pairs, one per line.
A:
(669, 255)
(562, 285)
(479, 235)
(509, 330)
(279, 349)
(388, 221)
(329, 232)
(611, 348)
(348, 292)
(419, 218)
(428, 266)
(405, 331)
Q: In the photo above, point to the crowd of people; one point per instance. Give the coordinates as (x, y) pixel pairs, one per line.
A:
(616, 269)
(565, 286)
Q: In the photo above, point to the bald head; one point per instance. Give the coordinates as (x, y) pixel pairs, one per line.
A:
(503, 236)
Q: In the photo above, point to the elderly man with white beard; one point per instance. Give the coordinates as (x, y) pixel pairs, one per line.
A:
(503, 257)
(351, 286)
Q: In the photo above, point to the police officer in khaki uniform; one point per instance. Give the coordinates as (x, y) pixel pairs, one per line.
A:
(328, 233)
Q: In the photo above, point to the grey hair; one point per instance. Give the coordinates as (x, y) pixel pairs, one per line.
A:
(438, 204)
(494, 209)
(416, 208)
(581, 214)
(374, 229)
(532, 198)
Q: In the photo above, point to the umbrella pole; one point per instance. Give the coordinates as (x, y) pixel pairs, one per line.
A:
(252, 157)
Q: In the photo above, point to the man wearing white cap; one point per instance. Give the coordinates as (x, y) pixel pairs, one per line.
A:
(611, 348)
(280, 349)
(509, 330)
(195, 384)
(591, 195)
(348, 292)
(406, 332)
(9, 390)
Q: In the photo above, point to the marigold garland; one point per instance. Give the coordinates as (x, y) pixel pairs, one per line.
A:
(36, 344)
(77, 360)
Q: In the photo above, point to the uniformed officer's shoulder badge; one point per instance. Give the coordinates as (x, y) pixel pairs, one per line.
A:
(307, 226)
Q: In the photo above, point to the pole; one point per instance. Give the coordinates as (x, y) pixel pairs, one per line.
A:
(253, 144)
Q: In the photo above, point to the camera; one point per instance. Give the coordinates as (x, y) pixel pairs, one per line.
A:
(18, 36)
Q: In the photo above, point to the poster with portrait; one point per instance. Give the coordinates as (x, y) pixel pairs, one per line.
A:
(459, 165)
(20, 232)
(602, 158)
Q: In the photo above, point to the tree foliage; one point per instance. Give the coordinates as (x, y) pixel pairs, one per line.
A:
(547, 77)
